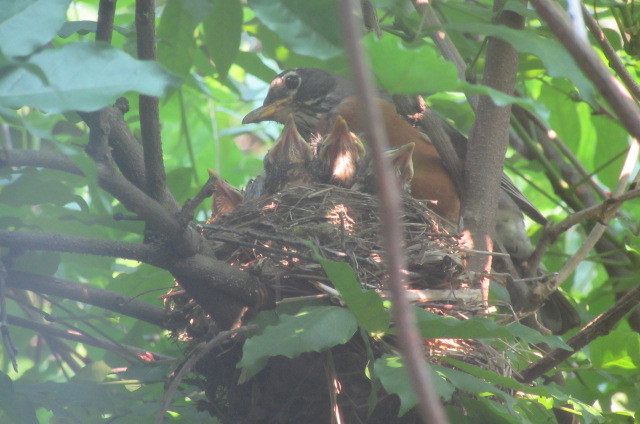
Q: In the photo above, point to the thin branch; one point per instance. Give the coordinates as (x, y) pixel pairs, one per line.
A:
(126, 150)
(148, 108)
(611, 55)
(81, 245)
(106, 14)
(85, 293)
(38, 158)
(196, 355)
(590, 63)
(600, 326)
(53, 331)
(408, 334)
(599, 229)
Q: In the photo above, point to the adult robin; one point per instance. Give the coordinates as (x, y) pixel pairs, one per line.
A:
(316, 98)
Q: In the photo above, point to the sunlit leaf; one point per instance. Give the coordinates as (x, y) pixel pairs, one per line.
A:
(313, 328)
(26, 25)
(82, 76)
(309, 28)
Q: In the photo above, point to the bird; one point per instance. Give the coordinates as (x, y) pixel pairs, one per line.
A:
(339, 155)
(401, 163)
(288, 162)
(225, 196)
(315, 98)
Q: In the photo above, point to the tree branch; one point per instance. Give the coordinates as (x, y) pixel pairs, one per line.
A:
(222, 290)
(487, 148)
(600, 326)
(38, 158)
(148, 108)
(82, 245)
(408, 334)
(106, 15)
(53, 331)
(590, 63)
(105, 299)
(614, 60)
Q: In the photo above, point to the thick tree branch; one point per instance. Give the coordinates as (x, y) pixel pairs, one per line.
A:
(106, 15)
(487, 148)
(429, 405)
(82, 245)
(149, 111)
(125, 149)
(105, 299)
(38, 158)
(222, 290)
(588, 60)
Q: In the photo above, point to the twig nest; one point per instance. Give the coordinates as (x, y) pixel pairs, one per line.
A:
(267, 236)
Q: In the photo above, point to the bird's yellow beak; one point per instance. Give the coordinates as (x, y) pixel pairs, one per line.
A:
(276, 111)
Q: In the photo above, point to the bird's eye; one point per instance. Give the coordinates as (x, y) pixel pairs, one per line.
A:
(292, 82)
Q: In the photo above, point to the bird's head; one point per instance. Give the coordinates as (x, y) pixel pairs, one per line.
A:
(305, 93)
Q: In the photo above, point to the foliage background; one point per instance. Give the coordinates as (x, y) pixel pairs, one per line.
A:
(221, 56)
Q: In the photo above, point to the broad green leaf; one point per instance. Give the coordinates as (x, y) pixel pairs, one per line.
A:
(252, 64)
(395, 380)
(502, 99)
(617, 352)
(176, 44)
(482, 410)
(558, 61)
(222, 30)
(309, 28)
(15, 407)
(313, 328)
(401, 69)
(43, 263)
(94, 372)
(26, 25)
(34, 188)
(434, 327)
(82, 76)
(366, 305)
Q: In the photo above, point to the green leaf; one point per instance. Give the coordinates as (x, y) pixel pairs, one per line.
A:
(34, 188)
(402, 69)
(366, 305)
(313, 328)
(16, 407)
(222, 30)
(82, 76)
(617, 352)
(26, 25)
(558, 61)
(395, 380)
(308, 27)
(482, 410)
(502, 99)
(435, 326)
(94, 372)
(176, 44)
(43, 263)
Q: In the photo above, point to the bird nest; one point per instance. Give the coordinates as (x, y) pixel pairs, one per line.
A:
(270, 237)
(276, 238)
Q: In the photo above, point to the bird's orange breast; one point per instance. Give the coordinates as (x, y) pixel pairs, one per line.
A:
(431, 180)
